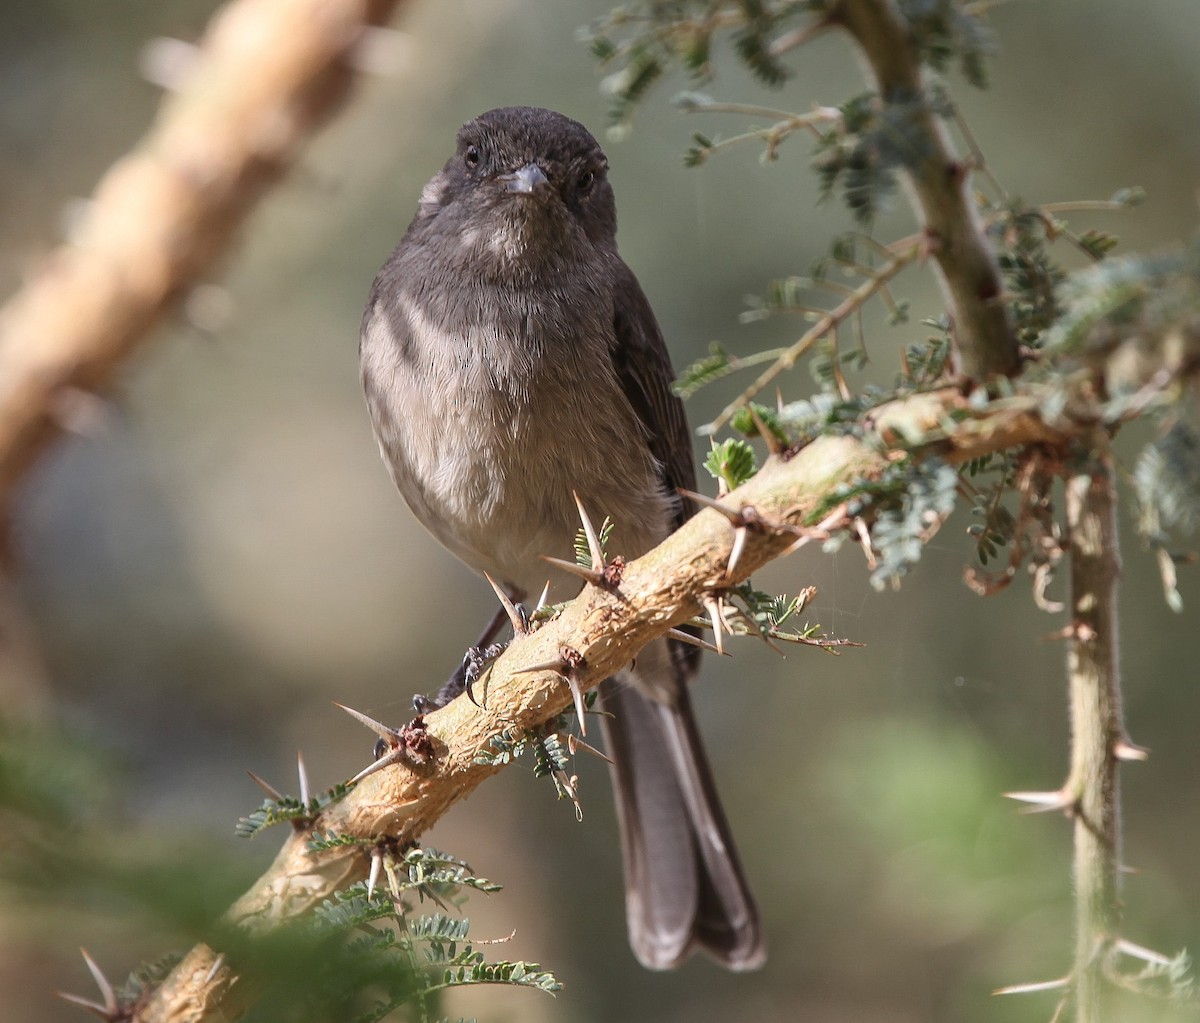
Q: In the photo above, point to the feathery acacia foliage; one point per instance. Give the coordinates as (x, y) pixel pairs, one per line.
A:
(1098, 348)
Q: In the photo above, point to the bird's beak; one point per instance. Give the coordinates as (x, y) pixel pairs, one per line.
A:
(526, 180)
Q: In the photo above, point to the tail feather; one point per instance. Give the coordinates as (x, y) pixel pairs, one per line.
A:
(684, 884)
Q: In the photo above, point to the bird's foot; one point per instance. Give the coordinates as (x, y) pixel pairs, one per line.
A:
(474, 661)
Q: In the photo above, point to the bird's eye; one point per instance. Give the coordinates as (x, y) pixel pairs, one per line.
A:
(471, 156)
(585, 182)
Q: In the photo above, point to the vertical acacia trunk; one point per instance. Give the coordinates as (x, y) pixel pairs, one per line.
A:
(1096, 729)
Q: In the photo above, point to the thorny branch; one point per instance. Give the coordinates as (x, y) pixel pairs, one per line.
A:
(1097, 729)
(790, 502)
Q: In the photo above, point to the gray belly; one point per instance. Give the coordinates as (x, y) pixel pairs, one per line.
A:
(487, 441)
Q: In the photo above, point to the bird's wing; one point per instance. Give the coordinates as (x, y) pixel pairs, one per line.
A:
(643, 366)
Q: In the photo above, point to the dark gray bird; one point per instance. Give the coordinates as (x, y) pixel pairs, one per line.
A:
(509, 359)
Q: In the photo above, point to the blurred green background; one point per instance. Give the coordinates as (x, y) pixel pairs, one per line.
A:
(228, 556)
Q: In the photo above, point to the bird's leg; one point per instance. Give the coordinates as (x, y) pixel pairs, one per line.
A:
(477, 656)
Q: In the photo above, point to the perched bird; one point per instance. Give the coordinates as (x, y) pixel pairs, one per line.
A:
(511, 360)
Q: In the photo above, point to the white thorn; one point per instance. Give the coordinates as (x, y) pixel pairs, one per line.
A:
(266, 786)
(513, 615)
(735, 553)
(106, 989)
(541, 602)
(734, 515)
(86, 1003)
(390, 735)
(586, 574)
(214, 970)
(577, 696)
(1147, 955)
(376, 867)
(555, 666)
(713, 607)
(593, 541)
(1041, 985)
(302, 771)
(394, 757)
(1041, 802)
(574, 744)
(1123, 749)
(687, 637)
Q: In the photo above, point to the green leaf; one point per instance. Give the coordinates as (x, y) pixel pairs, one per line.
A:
(732, 461)
(704, 371)
(744, 422)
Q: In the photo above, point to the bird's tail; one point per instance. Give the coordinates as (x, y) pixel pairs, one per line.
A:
(684, 883)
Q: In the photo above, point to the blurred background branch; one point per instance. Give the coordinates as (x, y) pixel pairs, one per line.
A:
(265, 76)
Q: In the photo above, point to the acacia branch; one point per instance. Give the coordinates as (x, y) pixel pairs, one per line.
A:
(266, 75)
(1097, 729)
(967, 269)
(662, 589)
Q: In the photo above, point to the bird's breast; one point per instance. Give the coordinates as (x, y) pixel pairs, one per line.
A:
(490, 423)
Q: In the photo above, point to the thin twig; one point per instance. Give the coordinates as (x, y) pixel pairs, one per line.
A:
(985, 342)
(855, 300)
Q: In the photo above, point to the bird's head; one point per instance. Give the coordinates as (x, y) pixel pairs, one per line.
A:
(525, 184)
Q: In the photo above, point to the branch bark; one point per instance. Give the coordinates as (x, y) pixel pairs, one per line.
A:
(656, 592)
(967, 269)
(1097, 729)
(267, 75)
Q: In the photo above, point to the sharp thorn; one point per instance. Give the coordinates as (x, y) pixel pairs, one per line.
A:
(687, 637)
(268, 788)
(1123, 749)
(214, 969)
(1147, 955)
(575, 743)
(732, 514)
(541, 601)
(1043, 802)
(302, 771)
(86, 1003)
(764, 431)
(1041, 985)
(514, 616)
(394, 757)
(778, 400)
(713, 607)
(593, 541)
(376, 867)
(390, 735)
(802, 541)
(864, 540)
(106, 989)
(577, 696)
(586, 574)
(735, 553)
(557, 666)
